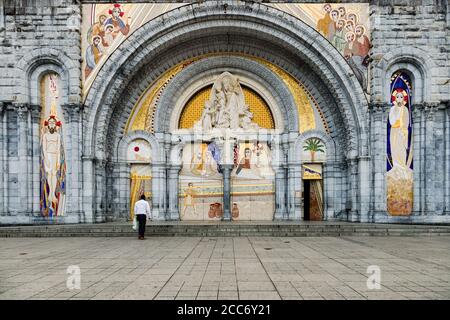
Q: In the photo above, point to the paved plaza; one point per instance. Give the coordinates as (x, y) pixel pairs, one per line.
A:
(226, 268)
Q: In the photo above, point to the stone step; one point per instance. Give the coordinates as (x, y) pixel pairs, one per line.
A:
(226, 229)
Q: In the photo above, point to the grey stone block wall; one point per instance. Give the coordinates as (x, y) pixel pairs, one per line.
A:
(36, 37)
(36, 29)
(39, 36)
(413, 36)
(412, 32)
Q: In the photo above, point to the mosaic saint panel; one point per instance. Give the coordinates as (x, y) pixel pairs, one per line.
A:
(52, 158)
(105, 26)
(399, 160)
(345, 25)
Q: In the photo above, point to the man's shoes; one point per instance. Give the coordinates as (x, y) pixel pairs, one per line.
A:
(141, 238)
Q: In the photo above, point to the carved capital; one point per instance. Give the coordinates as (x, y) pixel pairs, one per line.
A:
(430, 110)
(72, 112)
(110, 166)
(100, 164)
(417, 109)
(446, 103)
(378, 106)
(343, 166)
(352, 164)
(22, 111)
(226, 168)
(35, 110)
(174, 170)
(379, 110)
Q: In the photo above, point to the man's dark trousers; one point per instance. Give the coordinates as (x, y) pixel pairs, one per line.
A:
(141, 218)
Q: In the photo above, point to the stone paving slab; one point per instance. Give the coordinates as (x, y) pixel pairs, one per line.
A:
(203, 268)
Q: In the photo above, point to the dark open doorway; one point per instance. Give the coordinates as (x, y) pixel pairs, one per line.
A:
(312, 200)
(306, 199)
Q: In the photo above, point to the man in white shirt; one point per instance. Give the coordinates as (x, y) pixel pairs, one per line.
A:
(142, 212)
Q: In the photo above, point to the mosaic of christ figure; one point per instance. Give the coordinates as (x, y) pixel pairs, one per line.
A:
(399, 175)
(399, 121)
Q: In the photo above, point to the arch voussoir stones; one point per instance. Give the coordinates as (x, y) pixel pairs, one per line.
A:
(208, 19)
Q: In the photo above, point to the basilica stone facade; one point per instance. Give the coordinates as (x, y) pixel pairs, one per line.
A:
(225, 110)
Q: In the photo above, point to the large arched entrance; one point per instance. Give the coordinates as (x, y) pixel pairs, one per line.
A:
(283, 64)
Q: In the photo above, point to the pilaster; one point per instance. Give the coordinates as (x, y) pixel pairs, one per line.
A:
(418, 154)
(353, 214)
(88, 189)
(173, 205)
(22, 152)
(158, 190)
(329, 172)
(100, 190)
(34, 166)
(447, 160)
(3, 158)
(280, 183)
(430, 159)
(73, 146)
(226, 172)
(380, 114)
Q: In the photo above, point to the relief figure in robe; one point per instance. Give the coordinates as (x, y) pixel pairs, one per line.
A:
(226, 106)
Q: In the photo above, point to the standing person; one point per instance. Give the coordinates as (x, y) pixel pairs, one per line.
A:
(142, 212)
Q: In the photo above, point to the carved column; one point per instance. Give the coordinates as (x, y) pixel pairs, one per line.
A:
(226, 171)
(100, 190)
(379, 151)
(173, 210)
(430, 160)
(363, 188)
(447, 160)
(330, 168)
(73, 115)
(280, 183)
(110, 192)
(22, 148)
(88, 189)
(278, 160)
(293, 175)
(280, 192)
(353, 196)
(158, 190)
(66, 132)
(5, 164)
(123, 188)
(35, 158)
(3, 153)
(343, 189)
(165, 203)
(418, 154)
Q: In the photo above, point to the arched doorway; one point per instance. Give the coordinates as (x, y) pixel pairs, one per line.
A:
(322, 80)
